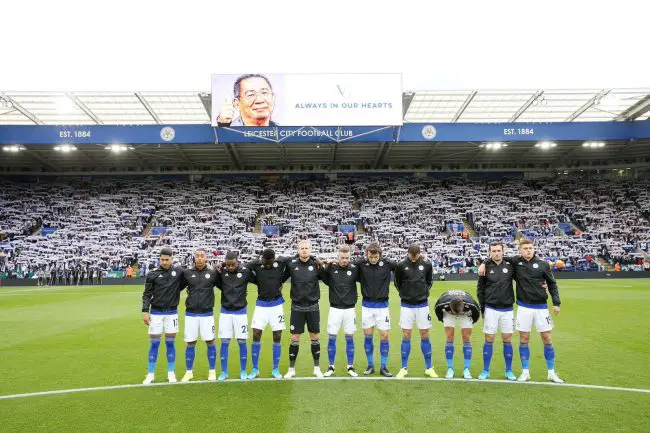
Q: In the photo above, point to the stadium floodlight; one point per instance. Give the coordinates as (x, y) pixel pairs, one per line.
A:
(545, 145)
(118, 148)
(593, 144)
(494, 146)
(65, 148)
(14, 148)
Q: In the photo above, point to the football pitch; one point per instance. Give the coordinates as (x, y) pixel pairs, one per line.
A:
(61, 338)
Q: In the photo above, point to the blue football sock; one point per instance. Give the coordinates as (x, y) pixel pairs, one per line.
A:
(370, 349)
(243, 355)
(255, 353)
(507, 355)
(449, 354)
(406, 351)
(549, 355)
(171, 353)
(331, 349)
(425, 345)
(383, 350)
(487, 354)
(153, 354)
(225, 342)
(467, 354)
(524, 354)
(212, 356)
(349, 349)
(190, 353)
(277, 352)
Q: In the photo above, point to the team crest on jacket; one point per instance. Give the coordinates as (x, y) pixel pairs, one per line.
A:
(311, 268)
(275, 264)
(173, 273)
(207, 276)
(381, 263)
(349, 272)
(239, 275)
(535, 265)
(505, 270)
(421, 267)
(193, 276)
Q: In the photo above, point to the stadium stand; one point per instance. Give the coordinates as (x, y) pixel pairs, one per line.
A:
(109, 225)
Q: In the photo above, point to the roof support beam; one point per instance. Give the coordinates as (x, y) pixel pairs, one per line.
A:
(526, 105)
(333, 152)
(381, 155)
(586, 106)
(635, 111)
(23, 110)
(463, 107)
(407, 98)
(233, 154)
(432, 151)
(40, 159)
(84, 108)
(155, 117)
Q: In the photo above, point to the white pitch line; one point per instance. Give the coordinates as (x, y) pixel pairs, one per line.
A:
(412, 379)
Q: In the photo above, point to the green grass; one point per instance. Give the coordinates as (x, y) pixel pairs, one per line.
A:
(93, 336)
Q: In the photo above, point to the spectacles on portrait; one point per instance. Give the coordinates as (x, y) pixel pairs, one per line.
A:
(251, 95)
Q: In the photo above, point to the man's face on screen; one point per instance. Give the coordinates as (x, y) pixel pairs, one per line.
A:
(256, 101)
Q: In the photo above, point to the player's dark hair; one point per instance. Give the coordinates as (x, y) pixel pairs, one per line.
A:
(268, 254)
(201, 250)
(457, 305)
(231, 255)
(373, 248)
(496, 244)
(525, 242)
(166, 252)
(414, 250)
(237, 86)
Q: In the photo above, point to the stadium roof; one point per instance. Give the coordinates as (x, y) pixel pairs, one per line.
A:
(110, 108)
(119, 108)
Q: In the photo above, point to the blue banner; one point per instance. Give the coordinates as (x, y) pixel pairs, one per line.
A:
(410, 132)
(46, 231)
(157, 231)
(271, 230)
(345, 229)
(323, 134)
(556, 131)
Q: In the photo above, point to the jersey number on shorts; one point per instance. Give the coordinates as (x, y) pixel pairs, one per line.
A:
(244, 329)
(548, 319)
(175, 323)
(429, 317)
(387, 319)
(281, 318)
